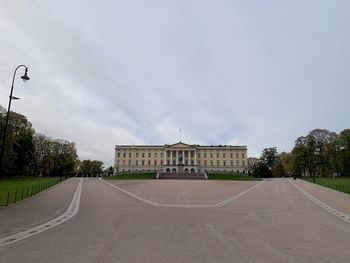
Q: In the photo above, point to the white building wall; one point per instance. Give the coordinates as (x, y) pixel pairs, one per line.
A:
(199, 158)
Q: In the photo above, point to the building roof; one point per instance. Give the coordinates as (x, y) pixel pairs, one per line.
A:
(182, 144)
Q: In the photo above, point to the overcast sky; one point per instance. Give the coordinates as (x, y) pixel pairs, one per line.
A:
(107, 72)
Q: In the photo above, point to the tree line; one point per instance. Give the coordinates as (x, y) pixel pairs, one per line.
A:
(27, 153)
(319, 153)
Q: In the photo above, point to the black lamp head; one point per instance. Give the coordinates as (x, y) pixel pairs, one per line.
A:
(25, 76)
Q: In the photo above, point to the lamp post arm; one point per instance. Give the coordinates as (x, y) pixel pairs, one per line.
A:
(10, 99)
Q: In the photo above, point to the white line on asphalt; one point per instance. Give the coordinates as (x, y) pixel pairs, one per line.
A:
(222, 203)
(318, 202)
(70, 212)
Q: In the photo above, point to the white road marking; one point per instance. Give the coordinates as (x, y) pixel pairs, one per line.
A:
(70, 212)
(318, 202)
(222, 203)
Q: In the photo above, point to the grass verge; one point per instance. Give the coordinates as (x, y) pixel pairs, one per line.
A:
(339, 184)
(231, 176)
(17, 189)
(131, 176)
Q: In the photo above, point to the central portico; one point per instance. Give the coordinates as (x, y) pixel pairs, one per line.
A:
(181, 157)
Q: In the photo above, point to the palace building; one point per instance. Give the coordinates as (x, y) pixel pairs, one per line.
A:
(180, 157)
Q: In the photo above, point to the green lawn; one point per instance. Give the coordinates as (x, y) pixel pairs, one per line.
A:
(14, 190)
(128, 176)
(339, 184)
(231, 176)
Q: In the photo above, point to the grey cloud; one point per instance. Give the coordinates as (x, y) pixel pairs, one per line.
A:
(130, 72)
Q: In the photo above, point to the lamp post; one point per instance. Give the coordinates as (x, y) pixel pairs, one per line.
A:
(24, 78)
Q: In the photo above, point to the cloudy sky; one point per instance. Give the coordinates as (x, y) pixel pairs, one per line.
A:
(255, 73)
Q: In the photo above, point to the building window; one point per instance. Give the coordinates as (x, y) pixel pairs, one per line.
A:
(198, 155)
(211, 163)
(155, 162)
(199, 163)
(217, 155)
(211, 155)
(161, 155)
(231, 163)
(129, 155)
(137, 162)
(123, 162)
(143, 154)
(149, 155)
(223, 155)
(118, 154)
(224, 163)
(243, 163)
(168, 162)
(231, 155)
(143, 162)
(218, 163)
(205, 155)
(237, 162)
(129, 162)
(137, 155)
(124, 154)
(168, 153)
(155, 154)
(236, 155)
(149, 162)
(205, 162)
(161, 162)
(242, 155)
(192, 153)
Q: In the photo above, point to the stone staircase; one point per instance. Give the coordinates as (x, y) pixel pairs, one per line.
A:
(182, 176)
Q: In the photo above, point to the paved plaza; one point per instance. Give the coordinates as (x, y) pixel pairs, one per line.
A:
(276, 220)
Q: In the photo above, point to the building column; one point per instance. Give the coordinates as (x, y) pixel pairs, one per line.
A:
(183, 157)
(189, 157)
(164, 161)
(171, 157)
(195, 157)
(177, 157)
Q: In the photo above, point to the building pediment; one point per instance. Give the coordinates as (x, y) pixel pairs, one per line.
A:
(179, 145)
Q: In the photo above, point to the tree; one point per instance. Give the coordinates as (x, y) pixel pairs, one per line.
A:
(18, 149)
(321, 138)
(269, 156)
(332, 154)
(91, 167)
(261, 170)
(271, 159)
(287, 163)
(64, 157)
(54, 157)
(344, 139)
(252, 161)
(322, 152)
(304, 156)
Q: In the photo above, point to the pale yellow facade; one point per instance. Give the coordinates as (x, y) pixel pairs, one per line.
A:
(193, 158)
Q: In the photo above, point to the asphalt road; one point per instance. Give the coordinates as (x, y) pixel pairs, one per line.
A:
(273, 222)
